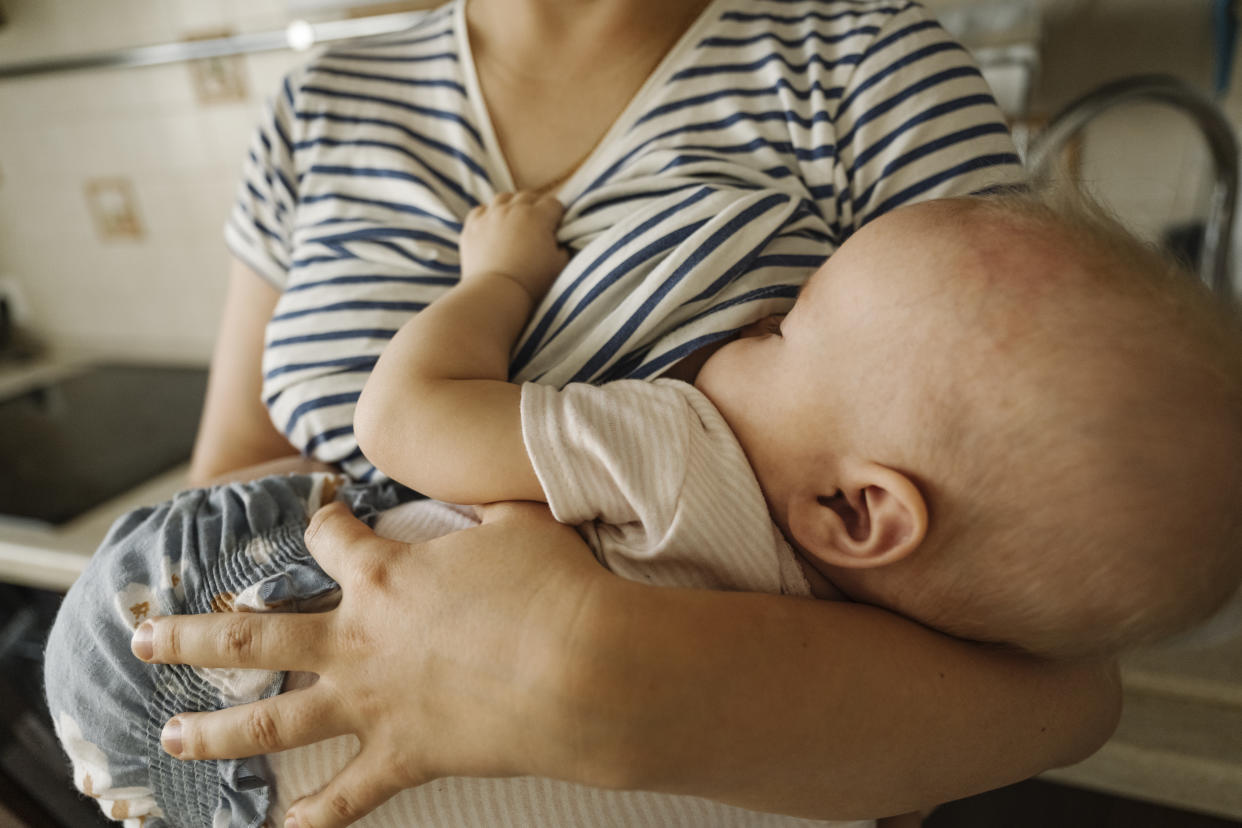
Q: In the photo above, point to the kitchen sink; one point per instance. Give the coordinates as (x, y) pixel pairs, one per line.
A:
(86, 435)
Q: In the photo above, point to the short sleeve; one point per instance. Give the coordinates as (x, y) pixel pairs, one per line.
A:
(259, 229)
(916, 121)
(615, 453)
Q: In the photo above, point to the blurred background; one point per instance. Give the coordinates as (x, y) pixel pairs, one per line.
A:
(114, 185)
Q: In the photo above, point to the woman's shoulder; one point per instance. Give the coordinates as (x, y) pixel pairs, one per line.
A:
(422, 54)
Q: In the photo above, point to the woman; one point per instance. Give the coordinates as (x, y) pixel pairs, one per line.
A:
(741, 138)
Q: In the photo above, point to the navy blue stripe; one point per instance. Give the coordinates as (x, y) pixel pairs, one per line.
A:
(982, 162)
(345, 254)
(791, 43)
(261, 167)
(330, 434)
(349, 365)
(336, 307)
(691, 262)
(439, 146)
(663, 243)
(440, 281)
(800, 260)
(729, 230)
(279, 128)
(830, 93)
(328, 336)
(822, 192)
(353, 457)
(369, 76)
(783, 147)
(926, 115)
(901, 34)
(371, 234)
(860, 202)
(395, 206)
(347, 398)
(448, 183)
(654, 366)
(267, 231)
(731, 68)
(277, 170)
(918, 88)
(314, 260)
(651, 195)
(902, 63)
(776, 18)
(535, 340)
(396, 103)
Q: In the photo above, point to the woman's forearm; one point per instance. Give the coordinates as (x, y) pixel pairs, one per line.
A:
(816, 709)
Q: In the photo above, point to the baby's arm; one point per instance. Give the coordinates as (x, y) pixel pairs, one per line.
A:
(438, 413)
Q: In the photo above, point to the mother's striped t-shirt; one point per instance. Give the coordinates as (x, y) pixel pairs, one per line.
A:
(769, 132)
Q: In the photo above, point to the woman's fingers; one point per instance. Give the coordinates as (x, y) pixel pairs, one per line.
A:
(362, 786)
(268, 641)
(285, 721)
(345, 547)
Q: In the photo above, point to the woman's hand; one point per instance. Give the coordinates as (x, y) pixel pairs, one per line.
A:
(506, 649)
(435, 658)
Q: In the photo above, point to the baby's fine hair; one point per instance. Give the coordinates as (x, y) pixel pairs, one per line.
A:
(1092, 494)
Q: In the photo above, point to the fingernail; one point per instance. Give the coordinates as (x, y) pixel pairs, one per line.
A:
(171, 737)
(140, 644)
(291, 822)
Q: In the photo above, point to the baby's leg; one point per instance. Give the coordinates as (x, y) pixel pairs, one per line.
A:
(237, 546)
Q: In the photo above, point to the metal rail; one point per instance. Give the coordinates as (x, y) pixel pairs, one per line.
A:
(298, 35)
(1214, 257)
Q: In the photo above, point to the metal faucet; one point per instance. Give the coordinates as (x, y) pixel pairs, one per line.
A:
(1214, 256)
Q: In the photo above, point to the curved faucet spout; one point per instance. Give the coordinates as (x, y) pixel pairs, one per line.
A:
(1165, 89)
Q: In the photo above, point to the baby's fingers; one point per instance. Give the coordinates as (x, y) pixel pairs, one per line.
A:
(285, 721)
(362, 786)
(550, 208)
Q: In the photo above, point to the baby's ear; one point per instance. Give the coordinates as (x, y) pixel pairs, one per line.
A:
(876, 517)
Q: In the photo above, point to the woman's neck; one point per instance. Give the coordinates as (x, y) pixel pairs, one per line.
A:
(541, 37)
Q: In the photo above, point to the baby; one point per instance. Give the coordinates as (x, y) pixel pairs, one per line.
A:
(1007, 423)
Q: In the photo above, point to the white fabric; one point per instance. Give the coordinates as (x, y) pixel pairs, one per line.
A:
(658, 485)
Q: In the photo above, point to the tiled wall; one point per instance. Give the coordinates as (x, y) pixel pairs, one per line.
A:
(153, 288)
(1147, 160)
(151, 282)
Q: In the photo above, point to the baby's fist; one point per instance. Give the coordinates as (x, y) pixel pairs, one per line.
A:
(515, 236)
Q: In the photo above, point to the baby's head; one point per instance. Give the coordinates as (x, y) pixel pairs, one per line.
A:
(1008, 420)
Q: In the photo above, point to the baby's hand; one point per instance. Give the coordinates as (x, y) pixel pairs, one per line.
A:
(515, 236)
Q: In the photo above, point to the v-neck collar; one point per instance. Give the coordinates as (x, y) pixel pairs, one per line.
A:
(596, 160)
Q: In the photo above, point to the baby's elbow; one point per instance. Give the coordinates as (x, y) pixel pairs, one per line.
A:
(390, 432)
(374, 422)
(367, 421)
